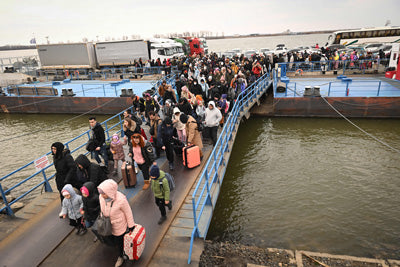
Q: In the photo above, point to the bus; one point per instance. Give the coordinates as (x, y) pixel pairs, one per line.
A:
(365, 35)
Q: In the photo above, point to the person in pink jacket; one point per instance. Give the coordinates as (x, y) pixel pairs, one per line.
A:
(115, 205)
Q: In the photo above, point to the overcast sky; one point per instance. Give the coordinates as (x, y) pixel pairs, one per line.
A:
(73, 20)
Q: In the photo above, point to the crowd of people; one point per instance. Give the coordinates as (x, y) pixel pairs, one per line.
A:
(194, 109)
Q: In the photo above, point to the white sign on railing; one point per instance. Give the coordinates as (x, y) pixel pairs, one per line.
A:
(41, 163)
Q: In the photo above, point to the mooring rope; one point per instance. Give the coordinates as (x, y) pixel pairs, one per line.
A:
(359, 128)
(57, 124)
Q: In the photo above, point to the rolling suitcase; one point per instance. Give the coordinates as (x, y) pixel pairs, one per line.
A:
(128, 175)
(134, 242)
(191, 156)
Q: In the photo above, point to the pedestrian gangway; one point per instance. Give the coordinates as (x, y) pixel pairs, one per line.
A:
(43, 239)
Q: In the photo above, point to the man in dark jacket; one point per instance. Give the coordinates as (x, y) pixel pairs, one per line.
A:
(90, 171)
(150, 105)
(99, 141)
(166, 134)
(65, 166)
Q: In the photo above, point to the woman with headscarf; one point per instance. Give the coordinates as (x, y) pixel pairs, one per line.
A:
(65, 166)
(178, 125)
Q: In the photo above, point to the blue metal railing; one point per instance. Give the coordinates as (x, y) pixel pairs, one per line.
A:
(359, 66)
(81, 139)
(105, 73)
(217, 158)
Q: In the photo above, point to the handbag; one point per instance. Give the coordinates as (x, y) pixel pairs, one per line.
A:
(102, 225)
(90, 146)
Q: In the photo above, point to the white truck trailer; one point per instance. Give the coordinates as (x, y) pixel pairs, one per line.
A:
(124, 53)
(67, 56)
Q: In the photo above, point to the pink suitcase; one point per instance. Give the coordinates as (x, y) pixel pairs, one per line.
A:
(134, 242)
(191, 156)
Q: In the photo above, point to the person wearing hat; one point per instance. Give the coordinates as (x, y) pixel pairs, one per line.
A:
(161, 191)
(72, 206)
(166, 135)
(178, 125)
(193, 135)
(150, 105)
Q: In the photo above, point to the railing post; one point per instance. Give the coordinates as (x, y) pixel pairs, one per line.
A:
(108, 134)
(122, 126)
(379, 88)
(104, 90)
(8, 208)
(295, 87)
(329, 89)
(344, 66)
(83, 90)
(47, 186)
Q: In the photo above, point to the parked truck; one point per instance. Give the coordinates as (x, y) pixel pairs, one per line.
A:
(67, 56)
(106, 54)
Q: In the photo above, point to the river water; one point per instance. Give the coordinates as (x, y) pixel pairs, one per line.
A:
(313, 184)
(26, 137)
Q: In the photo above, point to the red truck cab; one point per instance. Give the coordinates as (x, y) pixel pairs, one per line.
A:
(196, 46)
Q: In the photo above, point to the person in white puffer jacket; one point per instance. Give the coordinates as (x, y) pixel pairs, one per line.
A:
(211, 120)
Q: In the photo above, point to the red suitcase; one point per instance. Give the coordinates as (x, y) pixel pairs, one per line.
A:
(134, 242)
(191, 156)
(128, 174)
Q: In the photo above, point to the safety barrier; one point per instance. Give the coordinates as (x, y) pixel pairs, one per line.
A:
(360, 66)
(82, 140)
(362, 88)
(106, 73)
(79, 143)
(217, 162)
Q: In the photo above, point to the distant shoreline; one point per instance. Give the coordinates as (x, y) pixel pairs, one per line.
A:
(267, 35)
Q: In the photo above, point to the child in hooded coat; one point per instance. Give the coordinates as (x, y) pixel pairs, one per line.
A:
(117, 150)
(91, 203)
(72, 206)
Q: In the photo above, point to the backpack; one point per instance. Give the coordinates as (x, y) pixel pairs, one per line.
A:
(171, 182)
(200, 126)
(136, 119)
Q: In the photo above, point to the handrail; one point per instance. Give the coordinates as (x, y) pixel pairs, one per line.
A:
(85, 136)
(334, 65)
(210, 174)
(105, 72)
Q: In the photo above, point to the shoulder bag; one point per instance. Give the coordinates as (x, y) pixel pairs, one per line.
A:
(102, 225)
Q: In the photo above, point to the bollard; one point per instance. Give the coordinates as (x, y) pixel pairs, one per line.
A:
(307, 91)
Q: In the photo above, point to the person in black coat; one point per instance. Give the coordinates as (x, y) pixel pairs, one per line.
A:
(196, 89)
(91, 203)
(99, 138)
(166, 134)
(184, 106)
(65, 166)
(91, 171)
